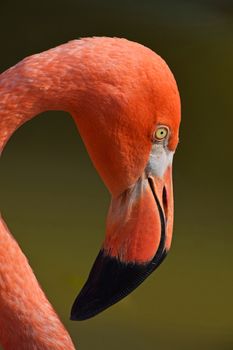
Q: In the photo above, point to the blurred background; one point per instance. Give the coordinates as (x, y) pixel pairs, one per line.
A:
(55, 203)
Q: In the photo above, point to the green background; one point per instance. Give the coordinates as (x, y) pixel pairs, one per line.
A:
(55, 204)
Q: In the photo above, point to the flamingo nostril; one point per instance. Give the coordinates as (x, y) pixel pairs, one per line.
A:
(165, 203)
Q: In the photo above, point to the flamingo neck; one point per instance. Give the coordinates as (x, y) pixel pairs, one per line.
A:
(39, 83)
(27, 319)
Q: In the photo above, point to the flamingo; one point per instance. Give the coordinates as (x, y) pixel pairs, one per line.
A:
(125, 103)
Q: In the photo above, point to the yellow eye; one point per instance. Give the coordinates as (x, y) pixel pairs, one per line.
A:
(161, 133)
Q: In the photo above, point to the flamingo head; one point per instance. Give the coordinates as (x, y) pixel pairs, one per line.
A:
(130, 126)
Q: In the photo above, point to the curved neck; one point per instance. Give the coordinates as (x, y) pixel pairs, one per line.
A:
(27, 320)
(38, 83)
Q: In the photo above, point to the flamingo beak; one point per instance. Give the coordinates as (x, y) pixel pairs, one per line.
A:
(139, 230)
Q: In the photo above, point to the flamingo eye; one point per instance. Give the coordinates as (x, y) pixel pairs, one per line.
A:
(161, 133)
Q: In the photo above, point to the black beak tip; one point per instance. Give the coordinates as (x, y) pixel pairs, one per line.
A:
(74, 317)
(77, 315)
(109, 281)
(83, 308)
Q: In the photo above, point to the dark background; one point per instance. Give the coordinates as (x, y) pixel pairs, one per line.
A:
(55, 204)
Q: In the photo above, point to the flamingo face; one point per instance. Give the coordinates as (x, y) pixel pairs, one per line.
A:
(133, 154)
